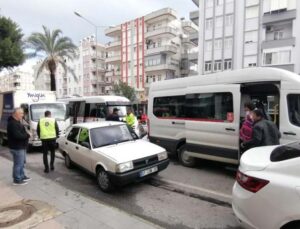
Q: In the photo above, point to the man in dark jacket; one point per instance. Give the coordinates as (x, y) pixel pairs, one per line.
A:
(17, 143)
(114, 116)
(265, 132)
(48, 131)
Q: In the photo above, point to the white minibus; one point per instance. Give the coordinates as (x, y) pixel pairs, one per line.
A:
(200, 116)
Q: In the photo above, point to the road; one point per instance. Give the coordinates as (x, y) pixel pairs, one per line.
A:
(178, 197)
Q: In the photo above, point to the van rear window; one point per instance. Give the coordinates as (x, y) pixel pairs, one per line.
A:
(286, 152)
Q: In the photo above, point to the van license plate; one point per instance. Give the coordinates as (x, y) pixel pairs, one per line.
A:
(148, 171)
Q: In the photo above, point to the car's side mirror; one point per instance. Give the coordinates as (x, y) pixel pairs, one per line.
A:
(85, 144)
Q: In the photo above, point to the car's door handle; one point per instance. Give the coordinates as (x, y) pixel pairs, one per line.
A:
(289, 133)
(178, 123)
(66, 143)
(76, 147)
(230, 129)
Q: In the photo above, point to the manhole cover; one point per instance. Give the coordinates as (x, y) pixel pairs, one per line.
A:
(15, 214)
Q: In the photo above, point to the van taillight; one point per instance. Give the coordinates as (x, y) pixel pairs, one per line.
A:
(249, 183)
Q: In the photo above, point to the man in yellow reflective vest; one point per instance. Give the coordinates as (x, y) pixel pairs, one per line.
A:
(48, 131)
(130, 118)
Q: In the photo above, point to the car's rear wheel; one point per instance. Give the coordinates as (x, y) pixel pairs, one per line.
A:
(185, 159)
(291, 225)
(104, 181)
(68, 161)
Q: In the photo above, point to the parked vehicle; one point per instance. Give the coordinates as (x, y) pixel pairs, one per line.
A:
(199, 117)
(112, 152)
(267, 188)
(34, 103)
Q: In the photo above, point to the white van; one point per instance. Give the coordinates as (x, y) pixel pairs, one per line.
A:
(199, 117)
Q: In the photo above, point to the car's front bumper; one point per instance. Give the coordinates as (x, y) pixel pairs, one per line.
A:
(134, 176)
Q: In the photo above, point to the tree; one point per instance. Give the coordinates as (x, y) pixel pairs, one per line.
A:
(123, 89)
(55, 49)
(11, 45)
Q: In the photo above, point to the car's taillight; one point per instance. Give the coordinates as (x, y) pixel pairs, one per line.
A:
(249, 183)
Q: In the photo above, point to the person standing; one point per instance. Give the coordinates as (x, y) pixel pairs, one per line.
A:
(247, 126)
(48, 131)
(265, 132)
(130, 118)
(17, 143)
(114, 116)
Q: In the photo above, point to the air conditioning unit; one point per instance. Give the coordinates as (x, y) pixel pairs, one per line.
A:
(269, 28)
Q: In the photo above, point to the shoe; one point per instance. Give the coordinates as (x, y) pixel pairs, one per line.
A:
(46, 170)
(20, 182)
(52, 168)
(25, 178)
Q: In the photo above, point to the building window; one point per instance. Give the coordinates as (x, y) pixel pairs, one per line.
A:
(228, 43)
(278, 35)
(218, 44)
(208, 24)
(208, 46)
(207, 66)
(218, 65)
(251, 65)
(252, 12)
(251, 37)
(229, 20)
(210, 106)
(227, 64)
(219, 21)
(220, 2)
(280, 57)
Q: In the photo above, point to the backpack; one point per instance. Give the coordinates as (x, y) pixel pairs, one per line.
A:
(246, 130)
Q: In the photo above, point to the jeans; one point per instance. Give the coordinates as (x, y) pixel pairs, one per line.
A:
(46, 146)
(18, 167)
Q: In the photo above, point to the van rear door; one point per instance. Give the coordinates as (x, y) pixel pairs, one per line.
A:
(212, 122)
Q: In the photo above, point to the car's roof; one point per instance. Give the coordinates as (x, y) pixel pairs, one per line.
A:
(91, 125)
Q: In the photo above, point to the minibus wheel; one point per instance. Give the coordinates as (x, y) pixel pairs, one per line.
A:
(185, 159)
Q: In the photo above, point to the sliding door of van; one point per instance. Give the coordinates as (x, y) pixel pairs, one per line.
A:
(289, 124)
(212, 122)
(166, 119)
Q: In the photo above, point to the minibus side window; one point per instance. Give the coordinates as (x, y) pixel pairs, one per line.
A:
(294, 108)
(169, 107)
(210, 106)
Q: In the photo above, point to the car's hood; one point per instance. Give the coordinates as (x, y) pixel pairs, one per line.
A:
(129, 151)
(256, 159)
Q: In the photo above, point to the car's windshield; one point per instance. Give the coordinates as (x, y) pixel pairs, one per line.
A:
(58, 111)
(109, 135)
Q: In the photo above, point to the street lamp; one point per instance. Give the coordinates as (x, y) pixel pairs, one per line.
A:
(96, 38)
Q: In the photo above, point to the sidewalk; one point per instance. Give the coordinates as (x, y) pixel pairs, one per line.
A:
(43, 203)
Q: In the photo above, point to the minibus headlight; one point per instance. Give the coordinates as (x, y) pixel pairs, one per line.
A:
(123, 167)
(162, 156)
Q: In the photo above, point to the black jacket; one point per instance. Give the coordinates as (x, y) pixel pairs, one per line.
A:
(113, 117)
(16, 134)
(56, 131)
(265, 133)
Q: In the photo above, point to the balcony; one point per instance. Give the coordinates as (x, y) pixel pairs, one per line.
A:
(113, 31)
(193, 57)
(113, 45)
(113, 59)
(194, 17)
(172, 49)
(188, 42)
(280, 15)
(165, 31)
(194, 37)
(166, 13)
(161, 67)
(189, 27)
(196, 2)
(278, 43)
(112, 73)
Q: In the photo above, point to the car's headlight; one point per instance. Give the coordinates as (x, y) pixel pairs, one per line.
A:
(162, 156)
(123, 167)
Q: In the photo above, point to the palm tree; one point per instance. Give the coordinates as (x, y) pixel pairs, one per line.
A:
(55, 49)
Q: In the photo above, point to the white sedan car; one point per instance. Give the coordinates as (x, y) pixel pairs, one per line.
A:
(112, 152)
(266, 194)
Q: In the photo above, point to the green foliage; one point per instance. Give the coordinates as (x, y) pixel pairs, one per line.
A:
(123, 89)
(11, 50)
(55, 48)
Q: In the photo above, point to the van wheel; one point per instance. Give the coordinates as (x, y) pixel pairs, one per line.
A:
(68, 161)
(186, 160)
(104, 181)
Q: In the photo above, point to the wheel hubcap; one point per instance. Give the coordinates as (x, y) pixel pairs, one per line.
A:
(185, 157)
(103, 180)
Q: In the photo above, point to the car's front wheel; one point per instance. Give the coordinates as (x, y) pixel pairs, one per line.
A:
(68, 161)
(104, 181)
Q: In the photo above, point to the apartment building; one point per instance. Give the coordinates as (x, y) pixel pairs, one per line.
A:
(194, 37)
(236, 34)
(81, 79)
(16, 80)
(148, 49)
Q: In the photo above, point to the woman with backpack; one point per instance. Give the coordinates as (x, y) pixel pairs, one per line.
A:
(247, 126)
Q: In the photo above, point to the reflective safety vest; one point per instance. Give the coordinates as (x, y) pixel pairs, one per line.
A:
(130, 120)
(47, 128)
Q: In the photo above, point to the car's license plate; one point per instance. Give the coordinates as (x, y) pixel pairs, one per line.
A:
(148, 171)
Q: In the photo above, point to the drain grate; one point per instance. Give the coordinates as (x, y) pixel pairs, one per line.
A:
(12, 215)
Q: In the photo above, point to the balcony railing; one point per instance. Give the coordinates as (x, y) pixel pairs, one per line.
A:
(115, 58)
(162, 49)
(169, 31)
(161, 67)
(113, 44)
